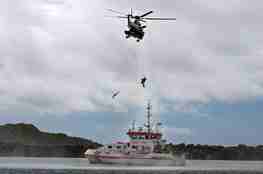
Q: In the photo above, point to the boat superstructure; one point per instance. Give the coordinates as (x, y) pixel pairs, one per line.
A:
(143, 148)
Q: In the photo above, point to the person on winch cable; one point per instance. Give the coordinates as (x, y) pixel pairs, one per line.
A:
(115, 94)
(143, 80)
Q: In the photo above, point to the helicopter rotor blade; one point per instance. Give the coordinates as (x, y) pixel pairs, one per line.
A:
(160, 19)
(123, 17)
(146, 14)
(115, 11)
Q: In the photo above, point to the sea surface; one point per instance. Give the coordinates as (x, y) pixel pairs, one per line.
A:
(21, 165)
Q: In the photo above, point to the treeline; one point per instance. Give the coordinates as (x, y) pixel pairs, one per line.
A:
(217, 152)
(28, 134)
(28, 141)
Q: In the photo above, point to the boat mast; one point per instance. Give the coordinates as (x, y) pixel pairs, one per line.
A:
(148, 124)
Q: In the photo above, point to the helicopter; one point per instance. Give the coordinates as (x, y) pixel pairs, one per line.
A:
(135, 26)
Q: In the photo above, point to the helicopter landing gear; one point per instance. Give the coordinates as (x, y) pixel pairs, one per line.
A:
(127, 33)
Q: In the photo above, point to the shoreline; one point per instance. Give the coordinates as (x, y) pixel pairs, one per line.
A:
(191, 151)
(81, 166)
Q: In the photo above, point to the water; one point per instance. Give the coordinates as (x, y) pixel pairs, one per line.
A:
(79, 165)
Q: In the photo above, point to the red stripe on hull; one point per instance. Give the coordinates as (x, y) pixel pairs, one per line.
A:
(124, 157)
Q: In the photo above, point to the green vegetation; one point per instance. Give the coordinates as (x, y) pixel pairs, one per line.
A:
(217, 152)
(27, 140)
(28, 134)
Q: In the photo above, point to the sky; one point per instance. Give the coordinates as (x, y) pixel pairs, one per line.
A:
(61, 61)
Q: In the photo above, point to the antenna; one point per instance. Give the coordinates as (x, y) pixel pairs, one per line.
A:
(133, 125)
(158, 124)
(148, 124)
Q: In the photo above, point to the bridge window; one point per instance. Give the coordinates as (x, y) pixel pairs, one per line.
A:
(118, 147)
(134, 147)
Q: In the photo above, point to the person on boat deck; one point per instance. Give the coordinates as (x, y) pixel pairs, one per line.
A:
(143, 80)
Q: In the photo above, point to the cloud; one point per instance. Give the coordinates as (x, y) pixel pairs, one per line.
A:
(178, 135)
(64, 56)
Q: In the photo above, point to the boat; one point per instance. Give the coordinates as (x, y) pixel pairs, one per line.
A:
(144, 148)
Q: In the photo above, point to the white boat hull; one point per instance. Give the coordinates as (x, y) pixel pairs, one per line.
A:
(138, 160)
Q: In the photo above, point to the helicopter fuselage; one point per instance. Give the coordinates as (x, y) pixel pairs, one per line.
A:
(135, 30)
